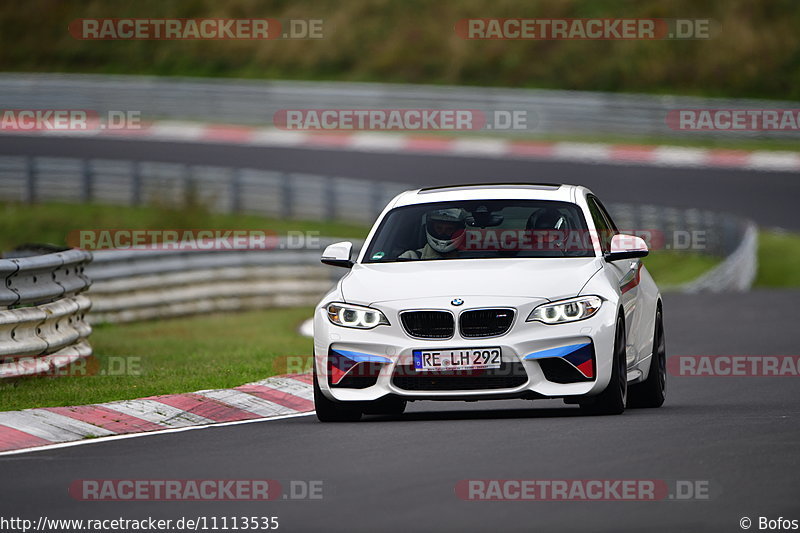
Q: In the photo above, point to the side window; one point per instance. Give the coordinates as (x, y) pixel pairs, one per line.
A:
(604, 229)
(605, 214)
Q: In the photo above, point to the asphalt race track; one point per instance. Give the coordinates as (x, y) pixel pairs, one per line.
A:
(382, 474)
(740, 435)
(769, 198)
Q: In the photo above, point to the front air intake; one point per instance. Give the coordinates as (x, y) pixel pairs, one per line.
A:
(428, 324)
(478, 323)
(508, 376)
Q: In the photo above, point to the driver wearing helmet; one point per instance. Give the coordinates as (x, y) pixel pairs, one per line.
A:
(445, 232)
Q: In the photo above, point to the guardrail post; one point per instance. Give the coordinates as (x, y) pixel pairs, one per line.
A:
(711, 223)
(330, 198)
(86, 167)
(190, 197)
(635, 221)
(376, 198)
(136, 183)
(30, 179)
(287, 195)
(236, 190)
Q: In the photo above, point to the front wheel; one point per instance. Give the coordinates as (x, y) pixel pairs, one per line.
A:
(330, 411)
(612, 400)
(652, 391)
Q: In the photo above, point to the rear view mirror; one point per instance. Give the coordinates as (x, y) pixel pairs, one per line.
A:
(483, 218)
(626, 247)
(338, 254)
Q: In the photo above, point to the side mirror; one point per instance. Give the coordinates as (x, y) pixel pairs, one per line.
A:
(338, 254)
(626, 247)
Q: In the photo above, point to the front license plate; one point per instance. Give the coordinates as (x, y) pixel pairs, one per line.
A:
(457, 359)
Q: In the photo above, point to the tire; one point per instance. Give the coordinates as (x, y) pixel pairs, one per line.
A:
(652, 391)
(331, 411)
(389, 405)
(612, 400)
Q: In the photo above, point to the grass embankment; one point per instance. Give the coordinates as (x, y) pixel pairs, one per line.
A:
(778, 263)
(778, 259)
(754, 53)
(170, 356)
(674, 268)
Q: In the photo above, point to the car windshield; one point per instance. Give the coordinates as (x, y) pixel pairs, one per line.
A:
(481, 229)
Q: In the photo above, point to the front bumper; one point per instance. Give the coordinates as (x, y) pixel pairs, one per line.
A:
(385, 355)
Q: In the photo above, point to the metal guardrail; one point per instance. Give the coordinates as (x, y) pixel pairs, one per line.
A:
(42, 320)
(255, 102)
(220, 189)
(736, 272)
(130, 285)
(42, 278)
(682, 230)
(717, 234)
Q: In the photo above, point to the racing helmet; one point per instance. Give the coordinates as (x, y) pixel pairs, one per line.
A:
(547, 218)
(445, 229)
(549, 228)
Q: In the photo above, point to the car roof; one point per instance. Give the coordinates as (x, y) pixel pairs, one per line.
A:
(491, 191)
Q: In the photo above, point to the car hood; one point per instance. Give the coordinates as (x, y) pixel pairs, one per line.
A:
(550, 278)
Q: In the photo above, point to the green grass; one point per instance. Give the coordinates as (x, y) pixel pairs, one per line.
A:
(171, 356)
(778, 262)
(50, 223)
(755, 53)
(674, 268)
(778, 259)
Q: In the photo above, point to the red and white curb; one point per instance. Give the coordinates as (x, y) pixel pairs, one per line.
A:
(275, 397)
(384, 142)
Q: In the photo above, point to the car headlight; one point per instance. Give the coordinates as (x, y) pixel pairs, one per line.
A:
(566, 310)
(355, 316)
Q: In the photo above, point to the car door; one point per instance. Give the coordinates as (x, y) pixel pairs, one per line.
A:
(625, 272)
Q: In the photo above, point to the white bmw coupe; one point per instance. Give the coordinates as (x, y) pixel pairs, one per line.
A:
(496, 291)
